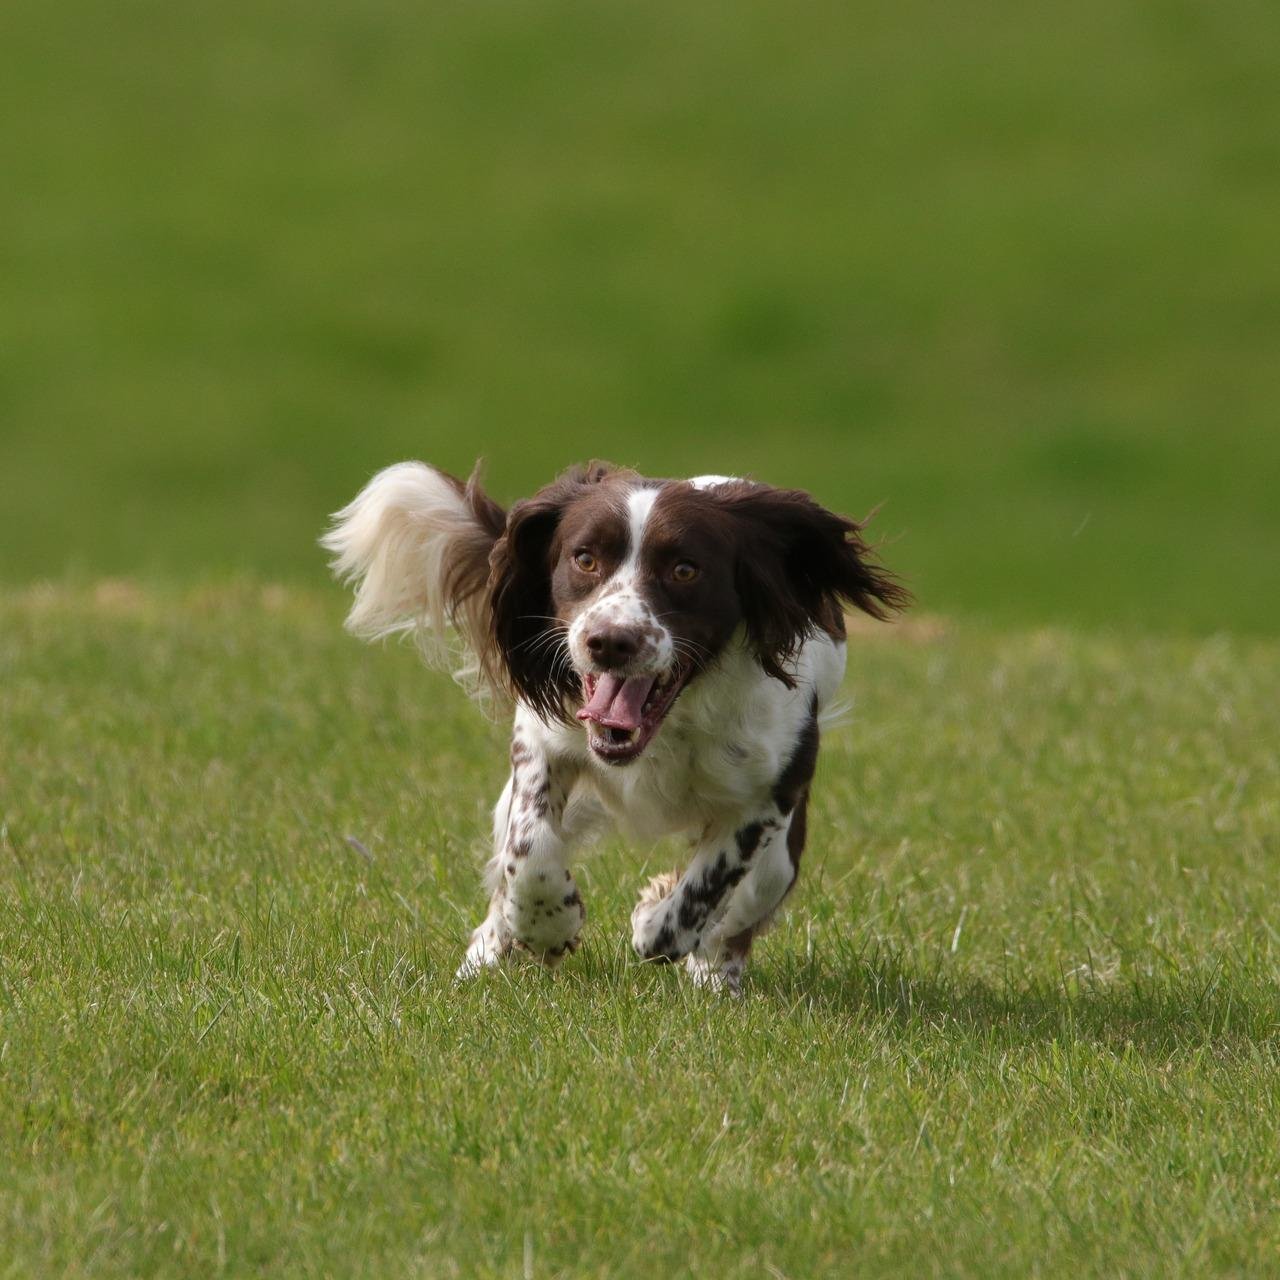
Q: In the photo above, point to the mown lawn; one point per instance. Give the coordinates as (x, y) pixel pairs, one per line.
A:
(1008, 269)
(1022, 1019)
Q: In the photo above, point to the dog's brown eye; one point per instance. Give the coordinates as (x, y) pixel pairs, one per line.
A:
(585, 561)
(685, 572)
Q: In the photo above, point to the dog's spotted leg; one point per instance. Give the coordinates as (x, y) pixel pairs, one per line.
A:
(535, 905)
(721, 956)
(670, 927)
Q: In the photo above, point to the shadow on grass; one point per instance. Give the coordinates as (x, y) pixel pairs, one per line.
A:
(1222, 1004)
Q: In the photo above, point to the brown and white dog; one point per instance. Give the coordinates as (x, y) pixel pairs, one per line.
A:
(669, 646)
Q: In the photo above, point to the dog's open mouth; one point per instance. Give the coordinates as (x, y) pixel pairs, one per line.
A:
(622, 714)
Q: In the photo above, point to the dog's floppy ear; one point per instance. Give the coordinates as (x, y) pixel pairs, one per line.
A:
(526, 643)
(798, 566)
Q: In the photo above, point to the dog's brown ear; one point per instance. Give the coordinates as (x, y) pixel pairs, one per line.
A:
(798, 566)
(528, 645)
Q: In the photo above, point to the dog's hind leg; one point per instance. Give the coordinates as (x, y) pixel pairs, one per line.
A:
(718, 964)
(489, 942)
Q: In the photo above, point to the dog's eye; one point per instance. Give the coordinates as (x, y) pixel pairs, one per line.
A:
(585, 561)
(685, 572)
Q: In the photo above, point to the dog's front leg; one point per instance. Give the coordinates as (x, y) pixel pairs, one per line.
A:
(535, 904)
(669, 927)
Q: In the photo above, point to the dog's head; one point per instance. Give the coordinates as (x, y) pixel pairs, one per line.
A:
(609, 592)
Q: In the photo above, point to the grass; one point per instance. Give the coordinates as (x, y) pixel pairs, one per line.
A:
(1008, 269)
(1022, 1018)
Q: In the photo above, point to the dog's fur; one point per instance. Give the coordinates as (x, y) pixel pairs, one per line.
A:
(669, 647)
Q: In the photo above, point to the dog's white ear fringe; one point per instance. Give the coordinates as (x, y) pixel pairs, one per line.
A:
(418, 557)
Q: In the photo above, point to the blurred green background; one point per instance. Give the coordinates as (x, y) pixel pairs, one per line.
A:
(1010, 270)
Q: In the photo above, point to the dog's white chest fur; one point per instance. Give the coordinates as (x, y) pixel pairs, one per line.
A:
(720, 752)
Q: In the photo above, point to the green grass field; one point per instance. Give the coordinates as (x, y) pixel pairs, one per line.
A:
(1022, 1019)
(1009, 270)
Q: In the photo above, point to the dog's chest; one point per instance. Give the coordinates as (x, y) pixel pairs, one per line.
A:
(717, 757)
(688, 782)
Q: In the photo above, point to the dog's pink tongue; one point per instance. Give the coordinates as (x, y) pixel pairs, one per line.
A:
(618, 703)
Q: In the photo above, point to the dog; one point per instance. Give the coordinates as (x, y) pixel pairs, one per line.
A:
(669, 646)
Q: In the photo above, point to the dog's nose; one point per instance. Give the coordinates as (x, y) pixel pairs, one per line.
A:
(612, 647)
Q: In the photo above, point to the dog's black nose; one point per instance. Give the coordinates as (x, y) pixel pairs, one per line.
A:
(612, 647)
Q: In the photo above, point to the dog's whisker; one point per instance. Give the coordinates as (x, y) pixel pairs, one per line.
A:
(542, 640)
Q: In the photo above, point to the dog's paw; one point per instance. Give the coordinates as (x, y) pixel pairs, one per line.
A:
(723, 979)
(486, 948)
(549, 957)
(655, 934)
(544, 922)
